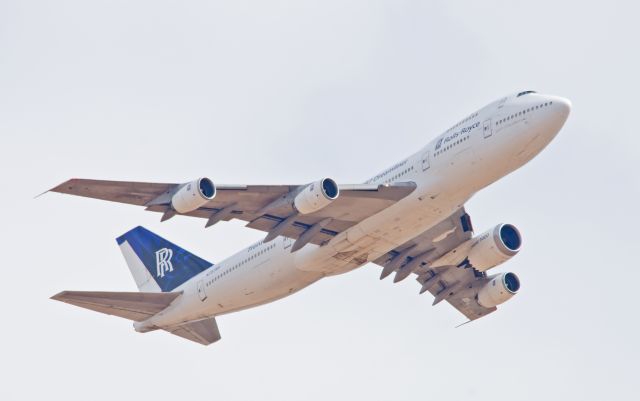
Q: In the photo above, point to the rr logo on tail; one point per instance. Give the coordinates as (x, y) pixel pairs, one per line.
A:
(163, 261)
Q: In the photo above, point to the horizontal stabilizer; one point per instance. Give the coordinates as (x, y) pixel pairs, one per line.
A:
(204, 331)
(137, 306)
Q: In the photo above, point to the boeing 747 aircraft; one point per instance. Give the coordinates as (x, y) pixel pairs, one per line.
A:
(409, 219)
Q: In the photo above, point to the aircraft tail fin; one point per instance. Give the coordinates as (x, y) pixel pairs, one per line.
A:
(156, 264)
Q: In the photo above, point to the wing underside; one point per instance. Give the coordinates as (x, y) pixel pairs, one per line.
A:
(458, 285)
(258, 205)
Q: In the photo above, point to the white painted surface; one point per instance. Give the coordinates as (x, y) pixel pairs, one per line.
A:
(99, 89)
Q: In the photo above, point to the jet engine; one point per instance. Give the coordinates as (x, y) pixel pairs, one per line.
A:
(494, 247)
(193, 195)
(316, 196)
(499, 289)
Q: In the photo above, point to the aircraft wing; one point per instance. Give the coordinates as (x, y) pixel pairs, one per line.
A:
(264, 207)
(456, 285)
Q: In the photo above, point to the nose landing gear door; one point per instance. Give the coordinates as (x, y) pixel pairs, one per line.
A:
(486, 128)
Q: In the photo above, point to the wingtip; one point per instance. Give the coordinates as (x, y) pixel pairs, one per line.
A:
(57, 188)
(42, 193)
(58, 296)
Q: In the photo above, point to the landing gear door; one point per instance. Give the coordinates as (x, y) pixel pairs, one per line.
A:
(201, 292)
(425, 161)
(486, 128)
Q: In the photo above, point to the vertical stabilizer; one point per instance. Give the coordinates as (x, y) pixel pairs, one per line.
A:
(157, 264)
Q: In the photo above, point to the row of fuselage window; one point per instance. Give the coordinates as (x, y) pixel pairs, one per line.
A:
(459, 141)
(409, 169)
(523, 112)
(400, 174)
(237, 265)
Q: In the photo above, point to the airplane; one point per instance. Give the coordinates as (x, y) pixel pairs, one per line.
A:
(409, 219)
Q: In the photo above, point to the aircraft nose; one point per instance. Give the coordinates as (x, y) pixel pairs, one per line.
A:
(557, 112)
(563, 107)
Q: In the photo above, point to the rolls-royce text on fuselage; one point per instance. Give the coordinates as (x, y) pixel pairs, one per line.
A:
(409, 219)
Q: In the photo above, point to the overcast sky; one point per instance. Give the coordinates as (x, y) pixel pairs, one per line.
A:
(285, 92)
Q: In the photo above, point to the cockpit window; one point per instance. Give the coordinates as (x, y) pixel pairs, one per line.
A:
(525, 93)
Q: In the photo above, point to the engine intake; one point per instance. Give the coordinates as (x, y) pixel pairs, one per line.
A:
(316, 196)
(498, 290)
(494, 247)
(193, 195)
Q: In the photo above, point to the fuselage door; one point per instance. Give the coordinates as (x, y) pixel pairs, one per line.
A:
(201, 291)
(425, 161)
(486, 128)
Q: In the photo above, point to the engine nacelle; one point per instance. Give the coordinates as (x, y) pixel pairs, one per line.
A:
(499, 289)
(494, 247)
(316, 196)
(193, 195)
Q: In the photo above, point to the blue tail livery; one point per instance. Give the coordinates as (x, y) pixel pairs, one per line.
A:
(150, 256)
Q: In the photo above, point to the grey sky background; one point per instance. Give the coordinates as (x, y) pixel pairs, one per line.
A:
(287, 92)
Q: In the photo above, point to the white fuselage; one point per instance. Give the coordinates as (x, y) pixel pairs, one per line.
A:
(476, 152)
